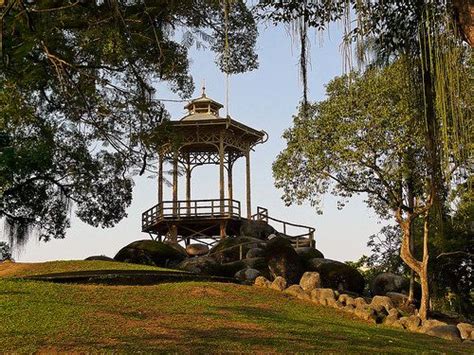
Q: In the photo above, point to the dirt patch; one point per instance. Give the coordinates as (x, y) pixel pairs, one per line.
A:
(206, 292)
(8, 268)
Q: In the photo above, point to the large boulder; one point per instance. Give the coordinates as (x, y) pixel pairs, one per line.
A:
(337, 275)
(310, 280)
(389, 282)
(197, 249)
(256, 229)
(232, 248)
(99, 258)
(150, 252)
(203, 265)
(298, 292)
(255, 253)
(448, 332)
(260, 264)
(279, 283)
(308, 253)
(282, 260)
(466, 330)
(247, 275)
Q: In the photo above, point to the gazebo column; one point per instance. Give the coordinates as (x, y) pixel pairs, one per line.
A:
(188, 185)
(160, 180)
(247, 178)
(230, 192)
(221, 184)
(173, 232)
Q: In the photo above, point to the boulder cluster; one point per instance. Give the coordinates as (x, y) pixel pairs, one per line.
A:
(387, 310)
(258, 251)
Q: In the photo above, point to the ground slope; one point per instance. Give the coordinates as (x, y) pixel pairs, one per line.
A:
(186, 317)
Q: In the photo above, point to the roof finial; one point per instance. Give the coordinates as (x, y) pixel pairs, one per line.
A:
(203, 88)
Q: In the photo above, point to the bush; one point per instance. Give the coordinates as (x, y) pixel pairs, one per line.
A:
(5, 251)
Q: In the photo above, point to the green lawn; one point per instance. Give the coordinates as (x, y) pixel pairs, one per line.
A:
(186, 317)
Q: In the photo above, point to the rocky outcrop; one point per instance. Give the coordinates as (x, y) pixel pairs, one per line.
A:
(310, 280)
(279, 283)
(150, 252)
(466, 331)
(203, 265)
(337, 275)
(233, 248)
(260, 264)
(298, 292)
(247, 275)
(282, 260)
(389, 282)
(308, 253)
(197, 249)
(99, 258)
(256, 229)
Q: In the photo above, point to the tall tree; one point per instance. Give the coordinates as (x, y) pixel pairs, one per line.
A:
(366, 137)
(79, 109)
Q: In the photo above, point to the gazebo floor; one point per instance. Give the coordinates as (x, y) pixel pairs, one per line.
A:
(197, 228)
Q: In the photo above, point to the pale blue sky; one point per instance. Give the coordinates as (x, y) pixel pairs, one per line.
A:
(263, 99)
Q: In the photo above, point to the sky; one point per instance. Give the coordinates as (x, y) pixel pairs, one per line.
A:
(264, 99)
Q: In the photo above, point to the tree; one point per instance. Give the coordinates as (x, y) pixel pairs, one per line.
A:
(5, 252)
(366, 137)
(79, 107)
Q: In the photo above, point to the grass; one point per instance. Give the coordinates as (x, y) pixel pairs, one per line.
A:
(30, 269)
(186, 317)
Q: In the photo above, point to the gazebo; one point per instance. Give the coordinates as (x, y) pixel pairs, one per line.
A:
(203, 137)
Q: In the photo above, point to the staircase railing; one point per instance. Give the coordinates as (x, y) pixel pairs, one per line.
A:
(299, 240)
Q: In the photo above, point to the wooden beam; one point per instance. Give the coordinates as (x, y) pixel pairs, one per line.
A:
(247, 176)
(188, 186)
(221, 173)
(175, 183)
(230, 189)
(160, 179)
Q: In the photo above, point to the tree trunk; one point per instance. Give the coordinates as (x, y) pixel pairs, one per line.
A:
(464, 18)
(425, 291)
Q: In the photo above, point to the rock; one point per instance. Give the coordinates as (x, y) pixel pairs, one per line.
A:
(229, 269)
(308, 253)
(379, 302)
(389, 282)
(261, 281)
(367, 314)
(411, 323)
(346, 300)
(248, 275)
(197, 249)
(203, 265)
(99, 258)
(337, 275)
(150, 252)
(360, 302)
(229, 249)
(391, 319)
(255, 253)
(430, 323)
(298, 292)
(448, 332)
(256, 229)
(278, 284)
(323, 296)
(466, 330)
(310, 280)
(394, 313)
(398, 299)
(283, 261)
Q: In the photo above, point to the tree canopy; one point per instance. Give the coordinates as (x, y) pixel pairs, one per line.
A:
(79, 110)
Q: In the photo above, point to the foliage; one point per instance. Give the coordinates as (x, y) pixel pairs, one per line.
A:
(5, 251)
(79, 108)
(385, 250)
(356, 141)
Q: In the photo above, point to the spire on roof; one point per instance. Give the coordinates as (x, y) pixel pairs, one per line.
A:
(203, 88)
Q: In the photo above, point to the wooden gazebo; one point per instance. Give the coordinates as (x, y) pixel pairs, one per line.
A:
(204, 137)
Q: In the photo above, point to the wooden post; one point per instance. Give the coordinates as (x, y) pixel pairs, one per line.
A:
(221, 184)
(188, 186)
(247, 166)
(175, 184)
(221, 173)
(160, 183)
(230, 192)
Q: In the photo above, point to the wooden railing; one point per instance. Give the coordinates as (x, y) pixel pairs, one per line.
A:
(176, 210)
(304, 239)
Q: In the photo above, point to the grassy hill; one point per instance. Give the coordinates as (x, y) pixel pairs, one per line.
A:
(180, 317)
